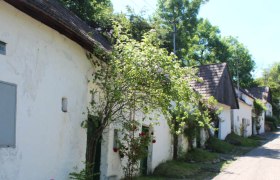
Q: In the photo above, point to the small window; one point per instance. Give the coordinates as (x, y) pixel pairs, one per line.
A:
(116, 139)
(116, 144)
(64, 104)
(7, 114)
(2, 48)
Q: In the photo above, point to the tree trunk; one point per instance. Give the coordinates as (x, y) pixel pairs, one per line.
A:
(175, 146)
(198, 137)
(175, 139)
(91, 150)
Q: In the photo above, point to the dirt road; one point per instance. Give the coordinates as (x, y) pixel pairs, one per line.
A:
(262, 163)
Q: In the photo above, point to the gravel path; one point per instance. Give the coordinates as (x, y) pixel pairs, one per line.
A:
(262, 163)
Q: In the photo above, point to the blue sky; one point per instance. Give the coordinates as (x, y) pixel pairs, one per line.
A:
(256, 23)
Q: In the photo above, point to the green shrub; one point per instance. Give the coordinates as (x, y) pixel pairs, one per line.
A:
(257, 137)
(84, 174)
(218, 145)
(200, 155)
(176, 169)
(148, 178)
(272, 122)
(241, 141)
(270, 125)
(259, 107)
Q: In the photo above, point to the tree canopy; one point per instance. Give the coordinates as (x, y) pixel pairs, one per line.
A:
(177, 18)
(239, 60)
(271, 78)
(140, 77)
(97, 13)
(198, 42)
(206, 45)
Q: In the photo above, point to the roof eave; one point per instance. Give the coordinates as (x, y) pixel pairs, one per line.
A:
(50, 21)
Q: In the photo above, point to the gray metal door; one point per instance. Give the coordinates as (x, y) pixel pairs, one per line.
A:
(7, 114)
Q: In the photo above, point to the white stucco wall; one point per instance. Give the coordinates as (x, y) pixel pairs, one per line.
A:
(204, 136)
(244, 112)
(262, 123)
(225, 122)
(268, 111)
(159, 152)
(110, 161)
(162, 149)
(183, 144)
(45, 66)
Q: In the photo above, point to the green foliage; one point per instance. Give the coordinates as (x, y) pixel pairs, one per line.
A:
(198, 42)
(271, 78)
(133, 147)
(194, 117)
(241, 141)
(259, 107)
(134, 25)
(256, 137)
(185, 170)
(200, 119)
(239, 61)
(142, 77)
(200, 155)
(176, 169)
(182, 14)
(82, 175)
(138, 25)
(159, 77)
(272, 121)
(209, 47)
(148, 178)
(206, 45)
(218, 145)
(191, 131)
(97, 13)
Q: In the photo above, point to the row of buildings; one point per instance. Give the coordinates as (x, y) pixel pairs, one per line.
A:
(44, 92)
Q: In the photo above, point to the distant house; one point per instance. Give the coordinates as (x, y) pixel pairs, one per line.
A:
(217, 82)
(44, 73)
(242, 118)
(264, 94)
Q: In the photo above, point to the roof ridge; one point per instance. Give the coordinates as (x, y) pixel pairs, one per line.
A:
(223, 63)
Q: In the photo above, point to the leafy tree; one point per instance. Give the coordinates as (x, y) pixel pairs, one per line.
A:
(97, 13)
(134, 25)
(206, 46)
(198, 42)
(133, 146)
(177, 18)
(176, 22)
(240, 62)
(139, 77)
(138, 25)
(271, 78)
(259, 107)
